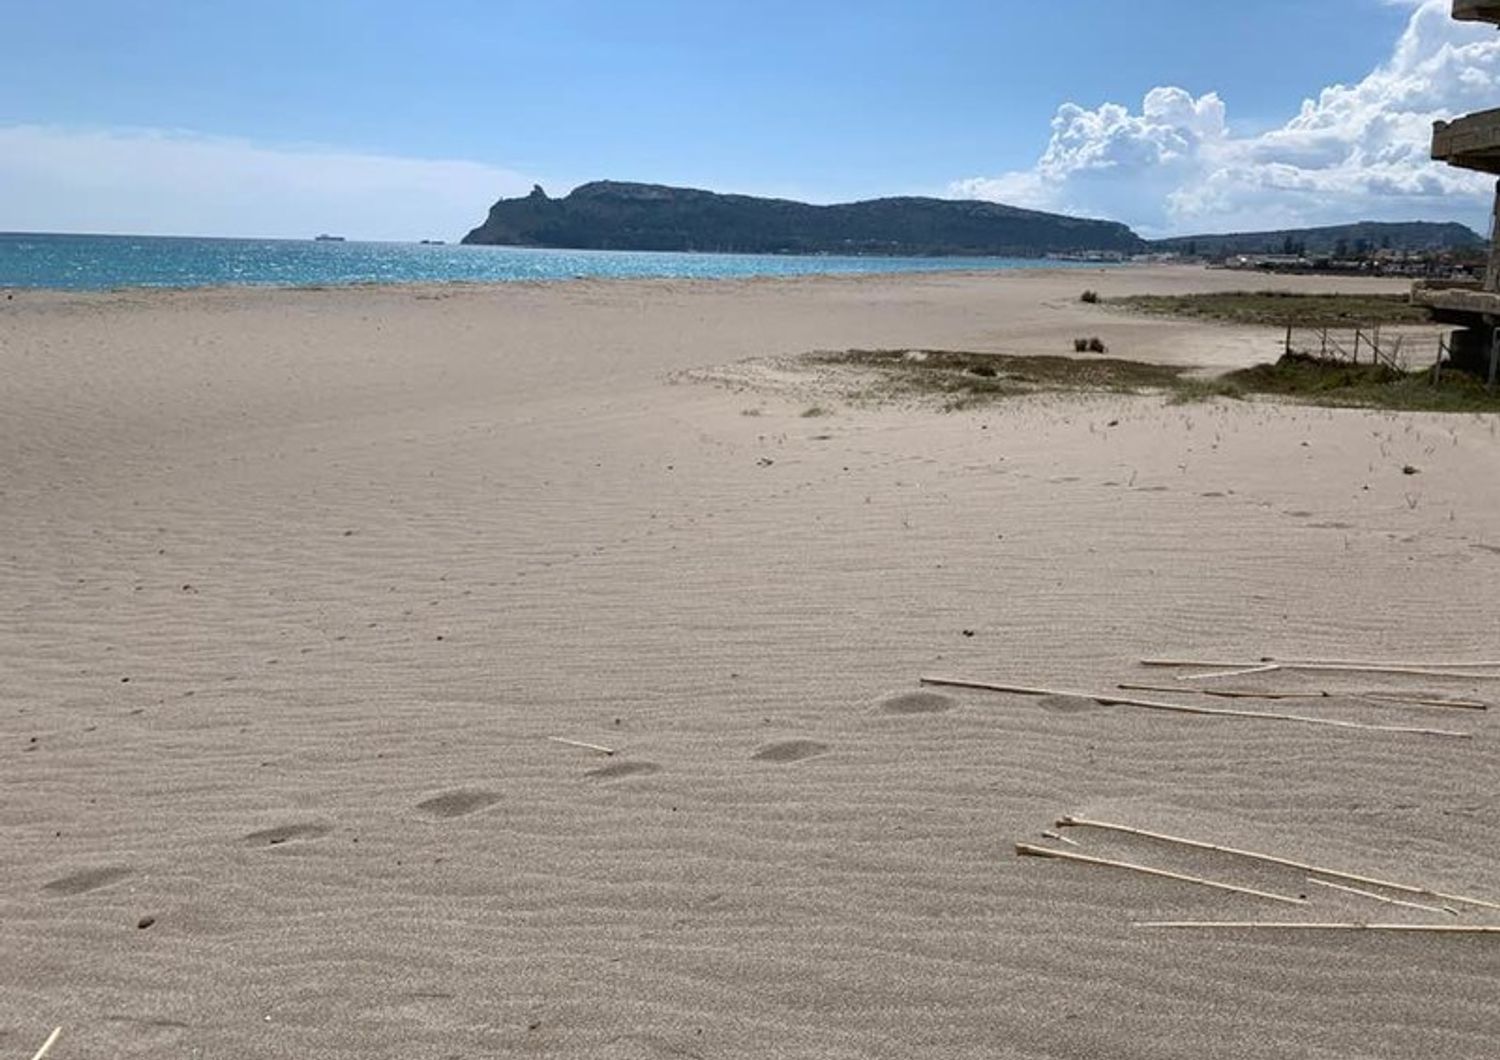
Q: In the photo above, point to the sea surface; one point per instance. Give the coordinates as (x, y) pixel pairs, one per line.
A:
(80, 262)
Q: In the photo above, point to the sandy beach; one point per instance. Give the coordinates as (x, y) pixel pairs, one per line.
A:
(300, 583)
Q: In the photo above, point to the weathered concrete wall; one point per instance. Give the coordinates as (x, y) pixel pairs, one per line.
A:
(1470, 142)
(1477, 10)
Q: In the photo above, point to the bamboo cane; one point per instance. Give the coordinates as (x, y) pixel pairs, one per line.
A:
(1234, 669)
(1059, 837)
(1382, 898)
(1253, 925)
(1424, 700)
(1321, 693)
(1239, 671)
(1353, 664)
(1178, 708)
(1404, 671)
(1181, 664)
(47, 1045)
(1027, 850)
(586, 746)
(1271, 859)
(1361, 663)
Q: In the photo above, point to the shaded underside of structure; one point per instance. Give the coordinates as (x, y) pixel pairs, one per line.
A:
(1471, 142)
(1457, 305)
(1477, 10)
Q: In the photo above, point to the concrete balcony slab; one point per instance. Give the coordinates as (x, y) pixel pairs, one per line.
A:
(1470, 142)
(1477, 10)
(1458, 305)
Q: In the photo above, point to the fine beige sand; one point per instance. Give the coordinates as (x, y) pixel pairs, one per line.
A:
(297, 585)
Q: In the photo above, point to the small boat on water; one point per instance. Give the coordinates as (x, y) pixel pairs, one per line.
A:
(326, 238)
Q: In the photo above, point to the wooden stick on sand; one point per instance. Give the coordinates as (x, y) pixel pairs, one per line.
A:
(1363, 663)
(1271, 859)
(1237, 669)
(1253, 925)
(1320, 693)
(47, 1045)
(1423, 699)
(1059, 837)
(586, 746)
(1178, 708)
(1382, 898)
(1027, 850)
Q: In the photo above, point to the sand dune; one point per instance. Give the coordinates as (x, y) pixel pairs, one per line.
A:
(299, 583)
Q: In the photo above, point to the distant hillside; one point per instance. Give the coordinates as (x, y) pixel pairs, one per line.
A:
(607, 215)
(1336, 239)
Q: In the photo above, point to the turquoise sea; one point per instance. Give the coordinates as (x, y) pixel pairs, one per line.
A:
(81, 262)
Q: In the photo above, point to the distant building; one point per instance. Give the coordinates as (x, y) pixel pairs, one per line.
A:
(1101, 256)
(1269, 262)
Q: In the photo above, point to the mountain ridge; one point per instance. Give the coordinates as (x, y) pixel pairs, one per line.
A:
(624, 215)
(1357, 238)
(619, 215)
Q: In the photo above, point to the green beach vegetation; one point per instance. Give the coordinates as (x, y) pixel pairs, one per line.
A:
(1281, 308)
(959, 380)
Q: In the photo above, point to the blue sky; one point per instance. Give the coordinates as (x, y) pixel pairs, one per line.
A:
(387, 119)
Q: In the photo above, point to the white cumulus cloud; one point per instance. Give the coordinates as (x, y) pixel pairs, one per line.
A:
(178, 183)
(1356, 152)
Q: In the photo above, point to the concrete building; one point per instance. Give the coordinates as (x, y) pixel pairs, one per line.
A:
(1471, 142)
(1477, 10)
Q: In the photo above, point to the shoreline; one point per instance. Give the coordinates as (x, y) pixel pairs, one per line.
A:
(361, 285)
(1048, 271)
(123, 262)
(1016, 311)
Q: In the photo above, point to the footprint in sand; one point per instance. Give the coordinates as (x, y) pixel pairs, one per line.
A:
(917, 703)
(458, 803)
(1070, 704)
(790, 751)
(87, 880)
(152, 1024)
(621, 770)
(285, 833)
(146, 1036)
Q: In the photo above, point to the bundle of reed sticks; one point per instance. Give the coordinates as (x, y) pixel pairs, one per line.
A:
(1358, 885)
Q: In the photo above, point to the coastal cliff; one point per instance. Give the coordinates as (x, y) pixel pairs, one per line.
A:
(609, 215)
